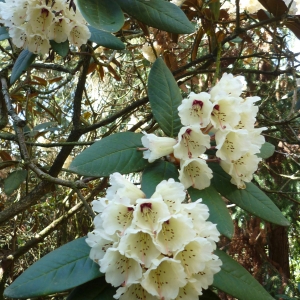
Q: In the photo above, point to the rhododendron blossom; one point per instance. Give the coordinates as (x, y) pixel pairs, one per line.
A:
(163, 249)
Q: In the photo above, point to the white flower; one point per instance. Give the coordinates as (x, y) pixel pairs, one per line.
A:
(164, 278)
(175, 232)
(117, 217)
(98, 205)
(59, 30)
(194, 255)
(157, 146)
(149, 214)
(134, 291)
(252, 6)
(257, 140)
(177, 2)
(195, 173)
(79, 34)
(172, 194)
(38, 44)
(232, 144)
(99, 241)
(228, 86)
(248, 113)
(192, 142)
(119, 269)
(242, 169)
(226, 113)
(209, 231)
(206, 277)
(138, 244)
(123, 189)
(196, 109)
(197, 211)
(40, 18)
(188, 292)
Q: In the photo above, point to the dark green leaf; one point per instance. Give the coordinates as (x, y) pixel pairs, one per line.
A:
(97, 289)
(209, 295)
(24, 60)
(115, 153)
(251, 199)
(14, 180)
(44, 126)
(159, 14)
(3, 34)
(60, 270)
(218, 212)
(60, 48)
(266, 150)
(233, 279)
(155, 173)
(102, 14)
(105, 39)
(164, 97)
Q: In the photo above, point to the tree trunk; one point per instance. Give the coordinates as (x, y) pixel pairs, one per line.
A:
(279, 249)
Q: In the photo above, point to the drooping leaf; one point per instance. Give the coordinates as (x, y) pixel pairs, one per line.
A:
(105, 39)
(14, 180)
(3, 34)
(115, 153)
(59, 270)
(155, 173)
(60, 48)
(251, 199)
(97, 289)
(24, 60)
(218, 212)
(235, 280)
(43, 126)
(164, 97)
(102, 14)
(266, 151)
(159, 14)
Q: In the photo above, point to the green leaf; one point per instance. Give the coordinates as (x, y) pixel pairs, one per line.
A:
(14, 180)
(105, 39)
(266, 150)
(59, 270)
(235, 280)
(3, 34)
(97, 289)
(60, 48)
(208, 295)
(155, 173)
(115, 153)
(102, 14)
(22, 63)
(159, 14)
(164, 97)
(215, 9)
(218, 212)
(251, 199)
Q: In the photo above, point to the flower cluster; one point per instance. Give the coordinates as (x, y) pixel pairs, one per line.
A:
(33, 23)
(223, 117)
(157, 248)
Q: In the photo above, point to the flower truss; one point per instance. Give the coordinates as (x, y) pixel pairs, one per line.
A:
(221, 117)
(157, 248)
(33, 23)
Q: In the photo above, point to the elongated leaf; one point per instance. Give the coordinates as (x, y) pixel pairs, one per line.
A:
(3, 34)
(60, 48)
(159, 14)
(266, 150)
(60, 270)
(14, 180)
(235, 280)
(164, 97)
(115, 153)
(105, 39)
(218, 212)
(102, 14)
(24, 60)
(251, 199)
(155, 173)
(97, 289)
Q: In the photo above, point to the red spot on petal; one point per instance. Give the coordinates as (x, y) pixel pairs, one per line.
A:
(146, 205)
(198, 102)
